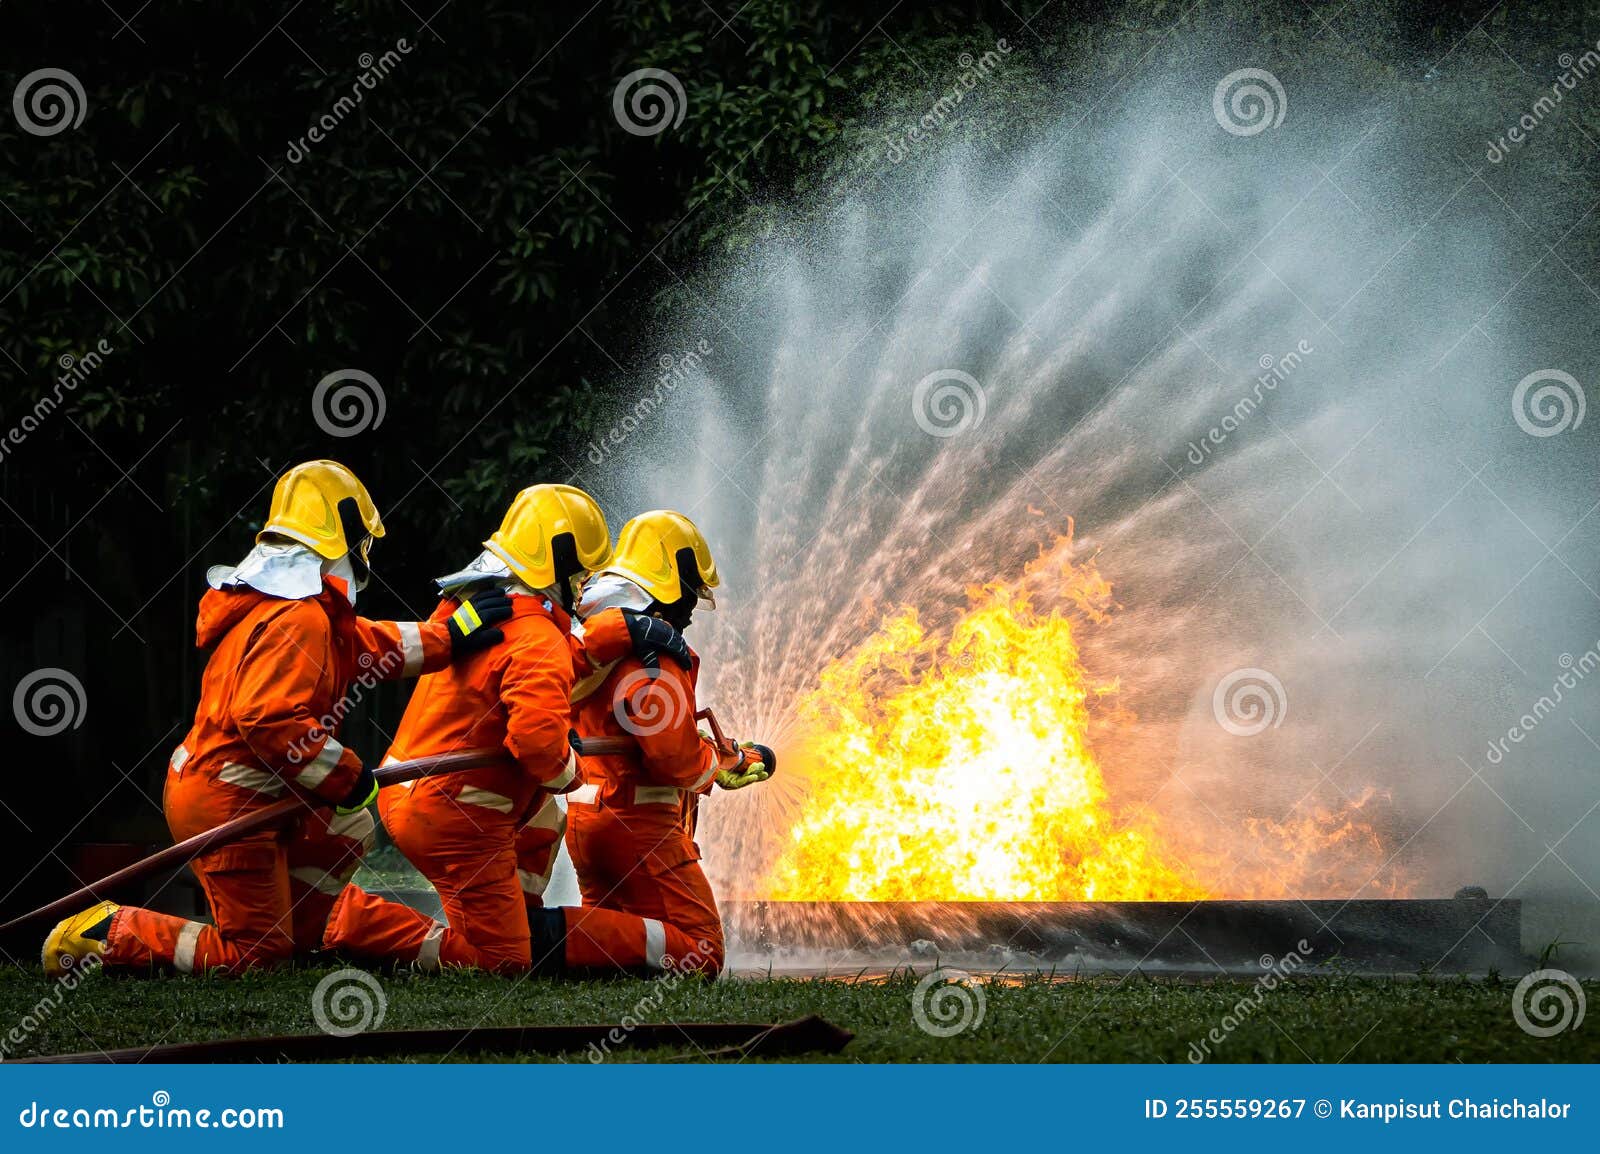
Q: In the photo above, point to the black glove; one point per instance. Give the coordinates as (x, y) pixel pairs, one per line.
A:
(360, 795)
(472, 625)
(652, 637)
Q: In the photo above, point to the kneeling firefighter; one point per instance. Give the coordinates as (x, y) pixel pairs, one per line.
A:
(485, 838)
(288, 648)
(630, 827)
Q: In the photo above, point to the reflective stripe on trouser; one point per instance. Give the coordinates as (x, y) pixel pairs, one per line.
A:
(467, 852)
(613, 940)
(538, 844)
(264, 908)
(647, 904)
(365, 926)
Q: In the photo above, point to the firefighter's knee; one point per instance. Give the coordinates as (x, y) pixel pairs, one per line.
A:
(505, 957)
(715, 960)
(277, 950)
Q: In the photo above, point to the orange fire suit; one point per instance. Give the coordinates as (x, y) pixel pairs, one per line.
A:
(466, 832)
(271, 699)
(647, 904)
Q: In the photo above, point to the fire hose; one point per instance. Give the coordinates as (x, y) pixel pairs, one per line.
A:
(278, 813)
(602, 746)
(281, 812)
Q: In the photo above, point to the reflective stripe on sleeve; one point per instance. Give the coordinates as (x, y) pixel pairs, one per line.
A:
(319, 767)
(584, 795)
(466, 617)
(704, 779)
(410, 648)
(183, 952)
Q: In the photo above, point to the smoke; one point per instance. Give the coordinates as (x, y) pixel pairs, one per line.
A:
(1267, 368)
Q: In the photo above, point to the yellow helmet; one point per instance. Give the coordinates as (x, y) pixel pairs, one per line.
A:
(308, 507)
(657, 550)
(527, 539)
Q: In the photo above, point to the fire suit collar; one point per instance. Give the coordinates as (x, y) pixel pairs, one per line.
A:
(220, 611)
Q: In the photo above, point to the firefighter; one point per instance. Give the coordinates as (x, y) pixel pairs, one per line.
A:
(464, 831)
(647, 904)
(291, 656)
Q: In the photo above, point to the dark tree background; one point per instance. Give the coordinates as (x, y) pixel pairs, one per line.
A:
(479, 234)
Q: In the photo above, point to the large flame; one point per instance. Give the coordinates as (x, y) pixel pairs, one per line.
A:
(955, 765)
(960, 770)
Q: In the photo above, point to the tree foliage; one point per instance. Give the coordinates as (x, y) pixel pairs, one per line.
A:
(471, 226)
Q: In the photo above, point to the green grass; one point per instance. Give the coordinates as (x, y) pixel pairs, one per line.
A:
(1092, 1020)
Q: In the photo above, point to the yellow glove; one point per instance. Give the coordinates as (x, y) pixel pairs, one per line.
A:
(362, 794)
(755, 764)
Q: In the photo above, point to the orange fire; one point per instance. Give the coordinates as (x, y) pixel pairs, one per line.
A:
(955, 765)
(959, 770)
